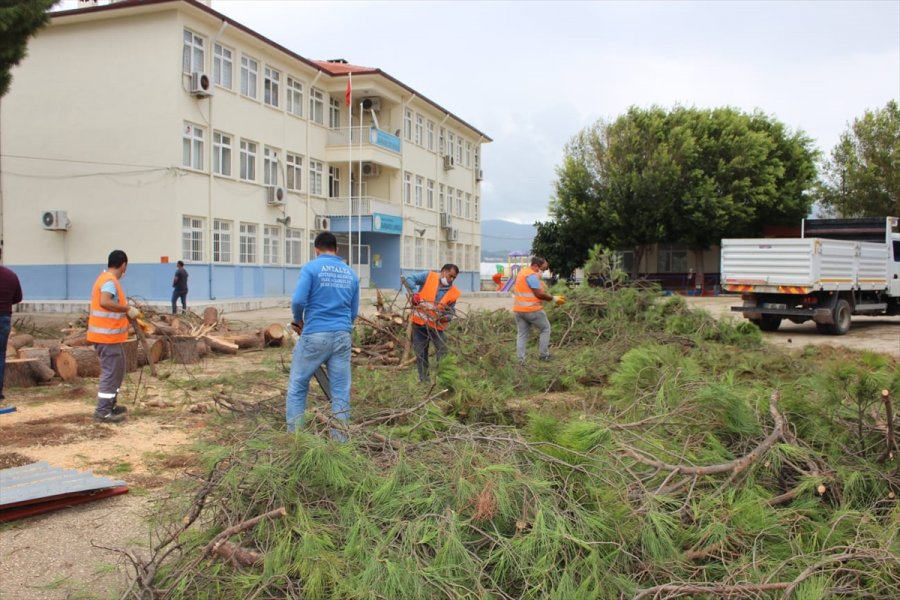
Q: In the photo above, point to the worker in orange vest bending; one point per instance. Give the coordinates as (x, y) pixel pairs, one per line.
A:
(529, 294)
(434, 305)
(108, 331)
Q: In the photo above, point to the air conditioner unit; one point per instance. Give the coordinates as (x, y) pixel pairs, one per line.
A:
(452, 234)
(370, 170)
(275, 195)
(201, 85)
(446, 220)
(371, 104)
(479, 175)
(55, 220)
(448, 162)
(322, 223)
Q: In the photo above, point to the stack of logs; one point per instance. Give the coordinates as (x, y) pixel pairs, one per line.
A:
(384, 339)
(184, 340)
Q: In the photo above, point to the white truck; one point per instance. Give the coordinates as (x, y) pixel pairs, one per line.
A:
(837, 268)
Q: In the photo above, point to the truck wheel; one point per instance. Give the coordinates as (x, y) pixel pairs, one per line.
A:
(842, 317)
(768, 322)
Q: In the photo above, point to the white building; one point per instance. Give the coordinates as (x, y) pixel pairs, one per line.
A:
(166, 129)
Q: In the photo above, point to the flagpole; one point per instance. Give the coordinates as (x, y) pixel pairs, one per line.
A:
(359, 193)
(349, 169)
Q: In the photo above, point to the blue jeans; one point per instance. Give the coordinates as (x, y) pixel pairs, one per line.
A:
(331, 348)
(176, 294)
(5, 326)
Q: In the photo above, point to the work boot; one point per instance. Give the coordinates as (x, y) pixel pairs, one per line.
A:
(119, 410)
(108, 417)
(547, 358)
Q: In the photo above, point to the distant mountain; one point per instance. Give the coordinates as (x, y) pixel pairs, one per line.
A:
(499, 238)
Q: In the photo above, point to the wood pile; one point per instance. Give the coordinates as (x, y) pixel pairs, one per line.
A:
(184, 339)
(384, 339)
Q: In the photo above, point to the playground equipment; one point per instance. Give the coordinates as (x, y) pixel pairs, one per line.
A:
(515, 261)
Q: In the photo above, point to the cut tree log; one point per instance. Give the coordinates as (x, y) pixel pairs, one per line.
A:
(20, 341)
(210, 315)
(274, 335)
(155, 347)
(11, 352)
(181, 326)
(41, 371)
(41, 354)
(184, 350)
(247, 340)
(53, 348)
(19, 373)
(131, 355)
(202, 347)
(77, 339)
(164, 329)
(77, 362)
(220, 345)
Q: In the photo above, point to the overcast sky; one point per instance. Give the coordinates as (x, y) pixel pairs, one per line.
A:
(532, 74)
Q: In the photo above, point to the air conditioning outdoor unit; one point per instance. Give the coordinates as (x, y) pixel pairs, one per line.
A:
(448, 162)
(322, 223)
(370, 170)
(201, 85)
(55, 220)
(371, 104)
(275, 195)
(446, 220)
(479, 175)
(452, 234)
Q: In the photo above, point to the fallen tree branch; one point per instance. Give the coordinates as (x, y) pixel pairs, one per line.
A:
(889, 440)
(718, 589)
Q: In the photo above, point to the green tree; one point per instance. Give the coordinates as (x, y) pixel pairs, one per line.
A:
(687, 175)
(862, 177)
(19, 20)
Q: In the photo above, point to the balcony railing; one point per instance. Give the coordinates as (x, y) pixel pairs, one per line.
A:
(372, 136)
(365, 205)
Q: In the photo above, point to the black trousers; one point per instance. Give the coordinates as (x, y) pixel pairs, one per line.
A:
(422, 337)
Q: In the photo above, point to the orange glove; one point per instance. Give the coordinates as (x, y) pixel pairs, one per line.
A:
(416, 298)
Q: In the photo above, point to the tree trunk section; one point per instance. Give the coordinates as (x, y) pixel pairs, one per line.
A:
(41, 371)
(220, 345)
(78, 362)
(41, 354)
(19, 373)
(156, 347)
(249, 340)
(20, 341)
(202, 347)
(184, 350)
(210, 315)
(274, 335)
(78, 339)
(131, 355)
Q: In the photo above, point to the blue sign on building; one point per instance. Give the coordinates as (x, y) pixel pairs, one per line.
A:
(387, 223)
(384, 139)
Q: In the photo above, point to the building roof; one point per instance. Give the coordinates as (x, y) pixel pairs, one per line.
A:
(330, 68)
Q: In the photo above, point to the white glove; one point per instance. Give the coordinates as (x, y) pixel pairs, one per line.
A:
(134, 313)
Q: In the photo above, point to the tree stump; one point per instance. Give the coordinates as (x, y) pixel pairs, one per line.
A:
(19, 373)
(184, 350)
(131, 355)
(210, 315)
(77, 362)
(156, 347)
(274, 335)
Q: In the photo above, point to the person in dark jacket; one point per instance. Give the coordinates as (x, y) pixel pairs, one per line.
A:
(179, 288)
(10, 293)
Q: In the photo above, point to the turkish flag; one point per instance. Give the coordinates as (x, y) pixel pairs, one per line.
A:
(347, 94)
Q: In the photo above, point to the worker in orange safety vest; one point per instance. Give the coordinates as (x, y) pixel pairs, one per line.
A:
(529, 294)
(108, 331)
(434, 305)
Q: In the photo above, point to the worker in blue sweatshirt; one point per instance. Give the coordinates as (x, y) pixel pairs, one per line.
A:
(324, 307)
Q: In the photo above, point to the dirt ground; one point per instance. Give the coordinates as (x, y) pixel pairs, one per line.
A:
(57, 555)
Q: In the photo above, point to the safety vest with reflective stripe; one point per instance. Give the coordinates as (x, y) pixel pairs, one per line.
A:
(524, 298)
(105, 327)
(427, 312)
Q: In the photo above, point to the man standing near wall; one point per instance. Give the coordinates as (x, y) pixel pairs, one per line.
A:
(324, 306)
(10, 293)
(434, 305)
(528, 293)
(179, 288)
(108, 331)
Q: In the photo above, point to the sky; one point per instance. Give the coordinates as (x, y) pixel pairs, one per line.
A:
(532, 74)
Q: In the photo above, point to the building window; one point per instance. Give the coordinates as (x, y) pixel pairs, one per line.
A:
(407, 125)
(671, 258)
(468, 154)
(316, 169)
(294, 97)
(221, 241)
(192, 147)
(420, 130)
(248, 160)
(270, 166)
(334, 182)
(293, 171)
(429, 253)
(450, 200)
(192, 56)
(441, 141)
(271, 85)
(248, 243)
(429, 196)
(419, 183)
(223, 66)
(192, 238)
(450, 138)
(407, 188)
(249, 74)
(420, 253)
(476, 216)
(221, 153)
(317, 106)
(441, 204)
(459, 201)
(468, 205)
(429, 137)
(408, 253)
(293, 246)
(271, 245)
(626, 261)
(477, 156)
(334, 113)
(459, 147)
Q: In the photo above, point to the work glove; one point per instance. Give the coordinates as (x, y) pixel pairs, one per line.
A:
(134, 313)
(416, 298)
(559, 300)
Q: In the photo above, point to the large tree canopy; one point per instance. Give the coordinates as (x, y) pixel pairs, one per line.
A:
(19, 20)
(686, 175)
(862, 177)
